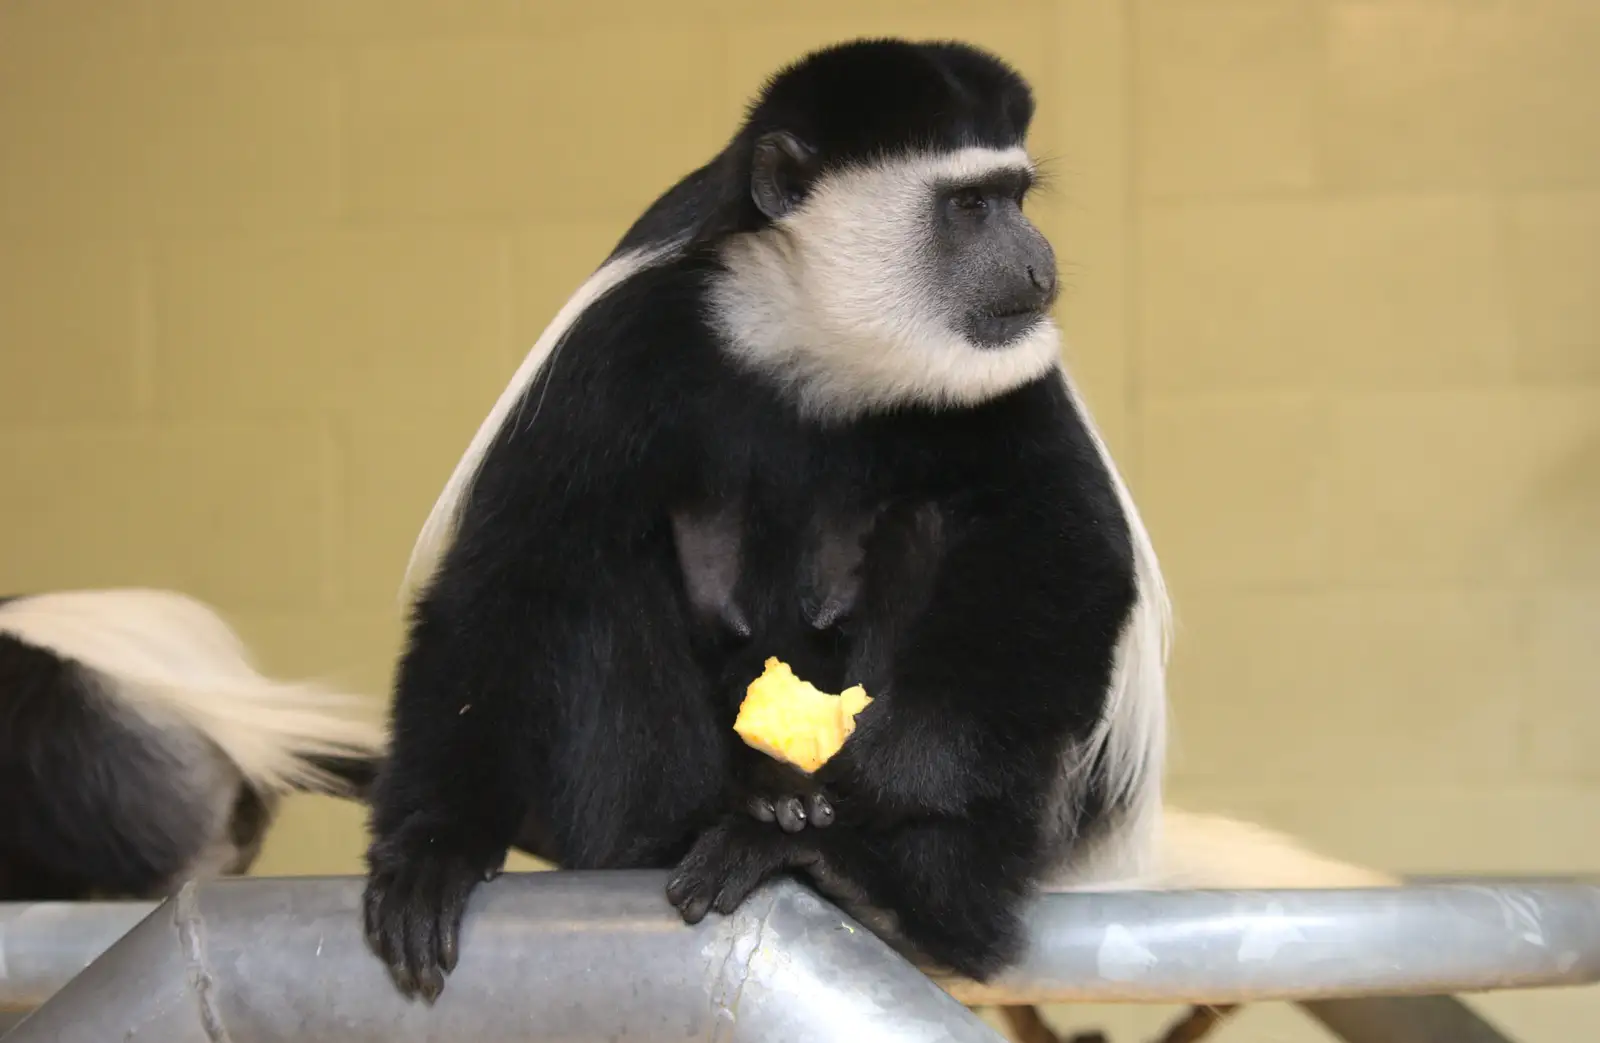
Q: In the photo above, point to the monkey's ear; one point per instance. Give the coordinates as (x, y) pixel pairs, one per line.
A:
(781, 171)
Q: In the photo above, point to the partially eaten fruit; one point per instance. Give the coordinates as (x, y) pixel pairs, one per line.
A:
(792, 721)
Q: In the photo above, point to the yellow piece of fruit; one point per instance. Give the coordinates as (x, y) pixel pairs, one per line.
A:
(790, 720)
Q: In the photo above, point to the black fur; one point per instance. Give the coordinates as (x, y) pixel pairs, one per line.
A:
(92, 800)
(98, 802)
(931, 97)
(569, 683)
(354, 775)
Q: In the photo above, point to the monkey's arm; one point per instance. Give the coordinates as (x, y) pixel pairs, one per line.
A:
(446, 803)
(515, 648)
(1010, 661)
(942, 790)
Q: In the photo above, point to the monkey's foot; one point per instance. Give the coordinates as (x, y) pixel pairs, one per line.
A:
(792, 814)
(412, 909)
(727, 863)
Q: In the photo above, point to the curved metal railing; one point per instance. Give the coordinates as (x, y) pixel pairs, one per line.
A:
(569, 956)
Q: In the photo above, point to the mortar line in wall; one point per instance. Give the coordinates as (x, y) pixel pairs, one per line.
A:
(333, 482)
(1501, 221)
(506, 332)
(144, 332)
(342, 54)
(1132, 160)
(1320, 148)
(1375, 193)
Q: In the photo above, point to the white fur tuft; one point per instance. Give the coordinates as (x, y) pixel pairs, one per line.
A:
(837, 303)
(1214, 852)
(171, 659)
(1133, 729)
(1153, 846)
(439, 527)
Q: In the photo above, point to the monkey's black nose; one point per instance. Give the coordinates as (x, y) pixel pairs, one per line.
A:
(1033, 289)
(1035, 263)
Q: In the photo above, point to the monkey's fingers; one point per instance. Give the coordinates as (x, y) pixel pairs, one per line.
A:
(389, 934)
(743, 874)
(791, 812)
(458, 888)
(728, 862)
(421, 922)
(692, 887)
(383, 937)
(412, 911)
(691, 893)
(761, 809)
(819, 810)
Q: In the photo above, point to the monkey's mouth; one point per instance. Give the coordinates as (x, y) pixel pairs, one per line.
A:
(1000, 328)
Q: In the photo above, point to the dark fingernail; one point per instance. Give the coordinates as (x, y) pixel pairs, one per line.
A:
(695, 910)
(791, 815)
(730, 898)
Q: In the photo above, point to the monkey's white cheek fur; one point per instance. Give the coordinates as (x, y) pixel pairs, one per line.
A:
(827, 304)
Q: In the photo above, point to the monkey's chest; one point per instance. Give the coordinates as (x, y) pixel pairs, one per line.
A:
(824, 581)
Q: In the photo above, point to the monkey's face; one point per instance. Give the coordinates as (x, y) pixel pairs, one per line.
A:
(916, 278)
(998, 269)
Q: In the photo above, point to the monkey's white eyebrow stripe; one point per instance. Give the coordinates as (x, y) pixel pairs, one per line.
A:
(971, 164)
(963, 165)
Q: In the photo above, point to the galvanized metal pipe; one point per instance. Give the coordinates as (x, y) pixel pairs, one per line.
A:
(1244, 946)
(546, 956)
(43, 944)
(575, 955)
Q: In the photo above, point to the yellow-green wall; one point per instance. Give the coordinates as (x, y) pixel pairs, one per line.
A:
(1334, 272)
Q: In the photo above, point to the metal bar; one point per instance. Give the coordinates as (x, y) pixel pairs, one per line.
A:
(43, 944)
(547, 956)
(1246, 946)
(293, 946)
(1403, 1019)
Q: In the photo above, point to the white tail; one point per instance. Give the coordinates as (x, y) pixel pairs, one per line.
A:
(166, 655)
(1215, 852)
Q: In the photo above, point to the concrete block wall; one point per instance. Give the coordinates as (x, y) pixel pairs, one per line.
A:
(1332, 270)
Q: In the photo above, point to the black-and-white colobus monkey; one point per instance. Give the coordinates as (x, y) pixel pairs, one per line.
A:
(811, 407)
(139, 746)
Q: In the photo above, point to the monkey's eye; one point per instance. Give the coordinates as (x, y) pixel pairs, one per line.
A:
(968, 199)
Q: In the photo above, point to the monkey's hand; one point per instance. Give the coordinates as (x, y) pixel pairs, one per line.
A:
(728, 862)
(792, 813)
(773, 791)
(416, 895)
